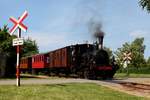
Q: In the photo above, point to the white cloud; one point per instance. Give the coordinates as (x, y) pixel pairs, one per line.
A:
(138, 33)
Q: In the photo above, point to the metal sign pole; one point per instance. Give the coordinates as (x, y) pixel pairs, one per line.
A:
(127, 68)
(18, 64)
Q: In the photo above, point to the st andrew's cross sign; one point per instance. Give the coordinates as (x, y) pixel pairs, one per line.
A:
(18, 23)
(18, 41)
(127, 56)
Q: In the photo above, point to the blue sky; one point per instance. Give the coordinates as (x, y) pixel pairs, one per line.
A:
(57, 23)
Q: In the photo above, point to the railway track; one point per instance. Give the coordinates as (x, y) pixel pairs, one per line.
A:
(137, 86)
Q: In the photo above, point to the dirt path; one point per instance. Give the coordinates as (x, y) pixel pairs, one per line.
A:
(134, 86)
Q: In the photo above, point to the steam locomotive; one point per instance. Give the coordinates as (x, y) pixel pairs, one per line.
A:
(83, 60)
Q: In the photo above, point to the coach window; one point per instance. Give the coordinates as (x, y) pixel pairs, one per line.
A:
(47, 59)
(41, 58)
(38, 59)
(60, 57)
(32, 60)
(63, 54)
(51, 57)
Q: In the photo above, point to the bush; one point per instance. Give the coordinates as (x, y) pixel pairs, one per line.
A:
(136, 70)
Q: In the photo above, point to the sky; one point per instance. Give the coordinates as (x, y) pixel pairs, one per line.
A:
(58, 23)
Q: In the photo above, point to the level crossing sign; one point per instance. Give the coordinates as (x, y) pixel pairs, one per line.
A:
(18, 23)
(127, 56)
(18, 41)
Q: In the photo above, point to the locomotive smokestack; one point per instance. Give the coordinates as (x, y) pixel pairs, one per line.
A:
(100, 38)
(96, 28)
(100, 42)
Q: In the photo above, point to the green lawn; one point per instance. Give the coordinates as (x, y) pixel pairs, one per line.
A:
(131, 75)
(63, 92)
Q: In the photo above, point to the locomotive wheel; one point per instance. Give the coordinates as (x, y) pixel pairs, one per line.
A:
(80, 74)
(34, 71)
(89, 74)
(86, 74)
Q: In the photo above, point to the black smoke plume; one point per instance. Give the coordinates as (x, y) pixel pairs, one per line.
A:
(95, 27)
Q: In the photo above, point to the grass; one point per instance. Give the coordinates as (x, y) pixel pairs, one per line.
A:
(131, 75)
(63, 92)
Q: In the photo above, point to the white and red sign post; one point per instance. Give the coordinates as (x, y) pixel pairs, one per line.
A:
(18, 41)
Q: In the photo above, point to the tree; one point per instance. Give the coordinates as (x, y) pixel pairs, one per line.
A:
(119, 53)
(29, 48)
(137, 50)
(148, 62)
(145, 4)
(8, 52)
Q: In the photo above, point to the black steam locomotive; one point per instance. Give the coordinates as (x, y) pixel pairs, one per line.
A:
(83, 60)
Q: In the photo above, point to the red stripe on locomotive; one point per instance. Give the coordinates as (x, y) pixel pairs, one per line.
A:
(104, 68)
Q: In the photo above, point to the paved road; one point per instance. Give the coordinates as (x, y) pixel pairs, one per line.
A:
(71, 80)
(42, 81)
